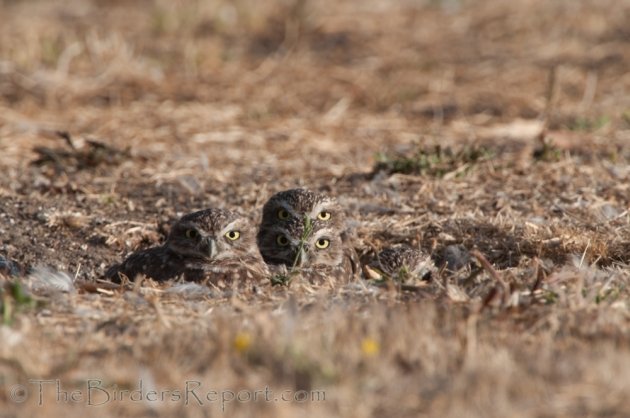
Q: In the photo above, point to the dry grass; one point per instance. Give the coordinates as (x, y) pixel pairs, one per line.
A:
(499, 125)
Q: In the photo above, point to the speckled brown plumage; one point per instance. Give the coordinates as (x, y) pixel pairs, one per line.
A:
(399, 261)
(304, 233)
(213, 245)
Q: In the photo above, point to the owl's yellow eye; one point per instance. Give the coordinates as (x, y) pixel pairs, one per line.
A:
(282, 240)
(323, 215)
(283, 214)
(233, 235)
(322, 243)
(192, 234)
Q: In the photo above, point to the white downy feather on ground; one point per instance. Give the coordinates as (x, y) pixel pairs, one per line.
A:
(43, 279)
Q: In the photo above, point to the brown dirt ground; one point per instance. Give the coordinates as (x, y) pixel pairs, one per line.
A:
(168, 107)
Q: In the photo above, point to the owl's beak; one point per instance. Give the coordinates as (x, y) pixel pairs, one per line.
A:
(302, 257)
(212, 247)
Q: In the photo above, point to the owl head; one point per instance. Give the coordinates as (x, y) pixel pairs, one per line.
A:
(212, 235)
(301, 228)
(403, 262)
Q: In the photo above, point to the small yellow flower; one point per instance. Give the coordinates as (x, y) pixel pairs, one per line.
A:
(370, 347)
(242, 342)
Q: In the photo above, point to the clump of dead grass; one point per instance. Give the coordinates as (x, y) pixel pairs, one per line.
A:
(432, 162)
(87, 155)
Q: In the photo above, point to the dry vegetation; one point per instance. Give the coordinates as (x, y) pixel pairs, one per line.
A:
(503, 126)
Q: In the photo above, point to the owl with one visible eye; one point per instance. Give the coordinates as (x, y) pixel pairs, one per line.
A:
(303, 231)
(213, 246)
(401, 263)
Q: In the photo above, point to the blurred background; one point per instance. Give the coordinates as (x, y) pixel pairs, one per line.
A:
(293, 71)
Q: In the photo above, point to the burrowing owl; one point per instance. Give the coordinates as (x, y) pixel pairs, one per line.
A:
(304, 232)
(212, 245)
(402, 263)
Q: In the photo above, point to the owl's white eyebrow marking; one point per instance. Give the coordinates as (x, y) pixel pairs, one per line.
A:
(319, 207)
(229, 227)
(324, 232)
